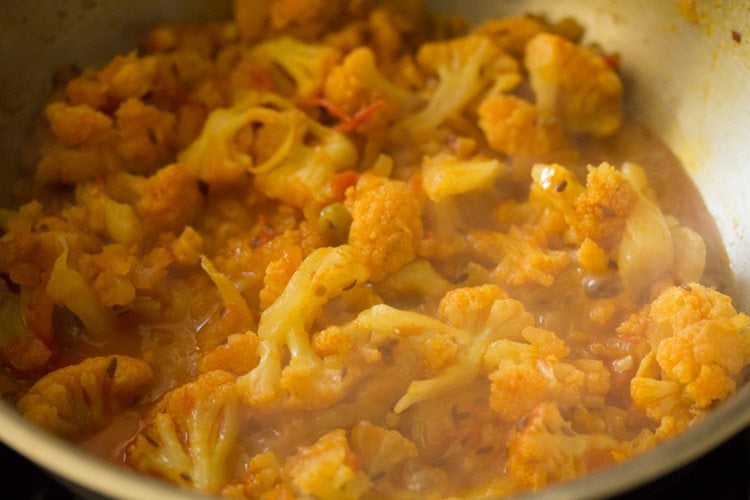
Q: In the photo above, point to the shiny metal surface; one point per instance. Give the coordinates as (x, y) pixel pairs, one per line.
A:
(687, 78)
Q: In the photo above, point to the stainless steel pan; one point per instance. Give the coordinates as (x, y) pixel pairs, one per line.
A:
(687, 71)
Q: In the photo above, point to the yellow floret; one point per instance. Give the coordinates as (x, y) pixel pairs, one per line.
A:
(299, 172)
(190, 434)
(73, 165)
(699, 346)
(291, 155)
(386, 224)
(171, 199)
(526, 375)
(546, 450)
(238, 355)
(514, 126)
(145, 135)
(602, 210)
(127, 77)
(67, 287)
(592, 257)
(25, 328)
(485, 314)
(465, 67)
(306, 64)
(574, 84)
(83, 398)
(76, 125)
(522, 259)
(357, 83)
(278, 273)
(380, 450)
(306, 381)
(328, 469)
(263, 478)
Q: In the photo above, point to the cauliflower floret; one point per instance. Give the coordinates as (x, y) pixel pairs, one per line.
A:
(380, 449)
(83, 398)
(291, 155)
(306, 64)
(699, 346)
(474, 317)
(328, 469)
(513, 126)
(116, 221)
(600, 211)
(386, 224)
(66, 286)
(547, 450)
(170, 199)
(61, 164)
(300, 174)
(526, 375)
(263, 478)
(145, 135)
(465, 67)
(444, 176)
(574, 84)
(523, 260)
(217, 156)
(356, 84)
(238, 355)
(25, 328)
(307, 381)
(190, 434)
(127, 77)
(76, 125)
(278, 273)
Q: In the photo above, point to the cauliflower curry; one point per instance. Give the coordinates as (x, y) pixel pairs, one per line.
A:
(341, 249)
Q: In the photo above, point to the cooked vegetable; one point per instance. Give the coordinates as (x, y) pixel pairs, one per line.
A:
(190, 434)
(574, 84)
(306, 381)
(80, 399)
(66, 286)
(342, 249)
(465, 67)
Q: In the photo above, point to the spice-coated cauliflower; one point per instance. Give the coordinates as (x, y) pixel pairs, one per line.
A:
(465, 67)
(522, 259)
(699, 345)
(357, 83)
(306, 64)
(514, 126)
(525, 375)
(25, 328)
(80, 399)
(546, 450)
(306, 381)
(386, 224)
(327, 469)
(471, 317)
(574, 84)
(190, 434)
